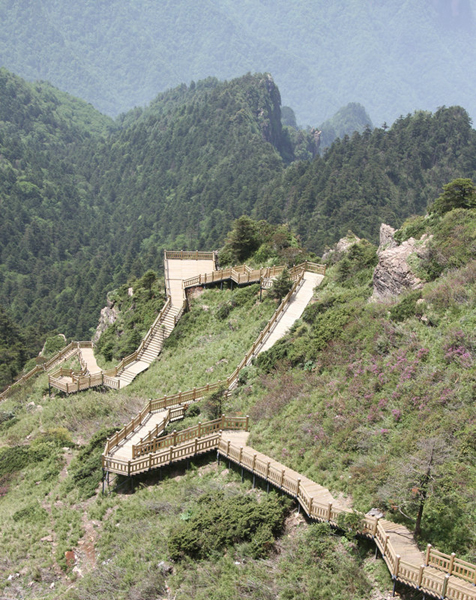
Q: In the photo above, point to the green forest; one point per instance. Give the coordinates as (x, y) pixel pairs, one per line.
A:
(377, 397)
(89, 202)
(392, 57)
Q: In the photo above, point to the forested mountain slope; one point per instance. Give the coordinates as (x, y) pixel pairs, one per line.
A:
(392, 57)
(88, 202)
(378, 176)
(82, 207)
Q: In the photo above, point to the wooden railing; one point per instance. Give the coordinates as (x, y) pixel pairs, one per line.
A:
(418, 576)
(244, 274)
(443, 582)
(198, 431)
(165, 456)
(188, 255)
(81, 382)
(197, 393)
(172, 414)
(65, 353)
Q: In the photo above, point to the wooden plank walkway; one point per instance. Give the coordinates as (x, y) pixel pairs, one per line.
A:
(432, 572)
(294, 310)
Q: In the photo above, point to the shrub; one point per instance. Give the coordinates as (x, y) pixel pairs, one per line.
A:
(221, 521)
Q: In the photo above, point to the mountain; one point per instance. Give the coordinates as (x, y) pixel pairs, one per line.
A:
(382, 175)
(391, 57)
(89, 202)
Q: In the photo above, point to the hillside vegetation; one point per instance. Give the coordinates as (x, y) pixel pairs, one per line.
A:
(372, 400)
(89, 202)
(392, 57)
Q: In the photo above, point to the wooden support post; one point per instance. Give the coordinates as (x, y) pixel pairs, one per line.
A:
(253, 463)
(445, 586)
(282, 479)
(199, 429)
(297, 488)
(254, 480)
(427, 555)
(452, 560)
(222, 422)
(241, 454)
(175, 437)
(267, 470)
(150, 461)
(397, 566)
(228, 448)
(247, 422)
(420, 576)
(329, 511)
(171, 453)
(374, 531)
(310, 505)
(129, 468)
(385, 545)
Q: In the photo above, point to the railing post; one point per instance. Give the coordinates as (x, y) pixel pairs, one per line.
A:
(374, 532)
(427, 555)
(254, 463)
(282, 478)
(267, 470)
(445, 585)
(196, 445)
(241, 454)
(222, 422)
(297, 487)
(397, 565)
(199, 429)
(228, 448)
(420, 576)
(329, 511)
(310, 505)
(452, 560)
(385, 545)
(247, 422)
(170, 453)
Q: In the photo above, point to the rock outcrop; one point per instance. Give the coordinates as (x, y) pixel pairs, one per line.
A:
(393, 274)
(341, 247)
(107, 317)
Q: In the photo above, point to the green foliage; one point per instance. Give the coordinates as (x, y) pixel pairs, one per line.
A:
(348, 119)
(281, 286)
(459, 193)
(181, 41)
(220, 522)
(406, 308)
(134, 315)
(84, 473)
(383, 175)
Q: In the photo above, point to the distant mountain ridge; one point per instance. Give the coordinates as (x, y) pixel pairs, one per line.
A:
(392, 57)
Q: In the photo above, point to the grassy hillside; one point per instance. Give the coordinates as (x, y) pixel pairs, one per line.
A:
(163, 538)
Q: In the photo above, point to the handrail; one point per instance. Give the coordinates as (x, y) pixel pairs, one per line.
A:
(188, 255)
(60, 356)
(197, 431)
(182, 445)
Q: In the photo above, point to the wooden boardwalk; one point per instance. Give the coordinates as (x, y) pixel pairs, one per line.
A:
(184, 270)
(436, 574)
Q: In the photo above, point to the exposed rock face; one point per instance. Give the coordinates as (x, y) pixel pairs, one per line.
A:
(342, 246)
(108, 317)
(393, 275)
(387, 241)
